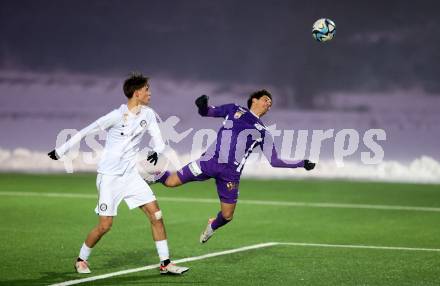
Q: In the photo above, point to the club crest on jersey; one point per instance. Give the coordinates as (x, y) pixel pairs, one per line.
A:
(231, 186)
(238, 114)
(103, 207)
(143, 123)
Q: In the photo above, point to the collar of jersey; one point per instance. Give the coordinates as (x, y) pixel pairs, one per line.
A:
(126, 110)
(253, 114)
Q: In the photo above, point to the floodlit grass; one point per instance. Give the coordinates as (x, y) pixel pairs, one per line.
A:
(41, 236)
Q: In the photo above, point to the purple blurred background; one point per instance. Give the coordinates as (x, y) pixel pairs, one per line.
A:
(62, 64)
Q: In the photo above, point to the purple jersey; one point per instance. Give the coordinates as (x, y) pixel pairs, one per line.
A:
(242, 131)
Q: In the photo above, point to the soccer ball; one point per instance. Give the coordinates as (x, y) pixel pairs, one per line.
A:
(324, 30)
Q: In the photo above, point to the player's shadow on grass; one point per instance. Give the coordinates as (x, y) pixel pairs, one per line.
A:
(116, 262)
(45, 279)
(150, 277)
(132, 259)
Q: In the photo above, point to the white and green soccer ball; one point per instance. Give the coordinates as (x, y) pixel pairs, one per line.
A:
(324, 30)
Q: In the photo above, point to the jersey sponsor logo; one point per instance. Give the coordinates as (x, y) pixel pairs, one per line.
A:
(143, 123)
(231, 186)
(238, 114)
(103, 207)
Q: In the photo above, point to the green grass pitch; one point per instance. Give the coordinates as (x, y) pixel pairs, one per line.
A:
(41, 236)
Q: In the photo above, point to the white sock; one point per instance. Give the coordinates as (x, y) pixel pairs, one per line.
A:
(162, 250)
(85, 251)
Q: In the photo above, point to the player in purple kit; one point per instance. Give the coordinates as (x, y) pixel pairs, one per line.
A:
(242, 131)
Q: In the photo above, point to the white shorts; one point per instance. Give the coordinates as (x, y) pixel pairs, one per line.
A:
(113, 189)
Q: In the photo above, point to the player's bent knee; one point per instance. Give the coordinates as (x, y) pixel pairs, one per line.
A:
(173, 181)
(158, 215)
(155, 217)
(170, 183)
(104, 228)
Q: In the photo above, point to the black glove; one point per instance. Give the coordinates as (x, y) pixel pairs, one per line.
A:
(202, 102)
(309, 165)
(53, 155)
(152, 158)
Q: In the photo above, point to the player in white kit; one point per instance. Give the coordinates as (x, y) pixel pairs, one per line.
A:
(118, 178)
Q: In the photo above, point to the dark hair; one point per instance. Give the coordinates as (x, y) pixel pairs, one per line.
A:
(258, 94)
(134, 82)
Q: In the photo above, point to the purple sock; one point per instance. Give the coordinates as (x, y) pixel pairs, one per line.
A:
(219, 221)
(164, 177)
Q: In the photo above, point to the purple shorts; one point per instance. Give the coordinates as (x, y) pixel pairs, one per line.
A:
(226, 179)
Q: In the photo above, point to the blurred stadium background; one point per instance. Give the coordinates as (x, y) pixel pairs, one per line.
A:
(62, 68)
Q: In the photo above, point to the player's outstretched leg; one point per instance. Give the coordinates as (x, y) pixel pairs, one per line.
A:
(163, 177)
(167, 179)
(223, 217)
(208, 232)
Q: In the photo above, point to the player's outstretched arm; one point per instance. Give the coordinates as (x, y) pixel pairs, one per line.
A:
(276, 162)
(272, 155)
(202, 104)
(53, 155)
(156, 136)
(212, 111)
(102, 123)
(308, 165)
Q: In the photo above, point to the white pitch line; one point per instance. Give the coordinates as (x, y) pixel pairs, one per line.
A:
(305, 204)
(52, 195)
(255, 246)
(245, 202)
(359, 246)
(188, 259)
